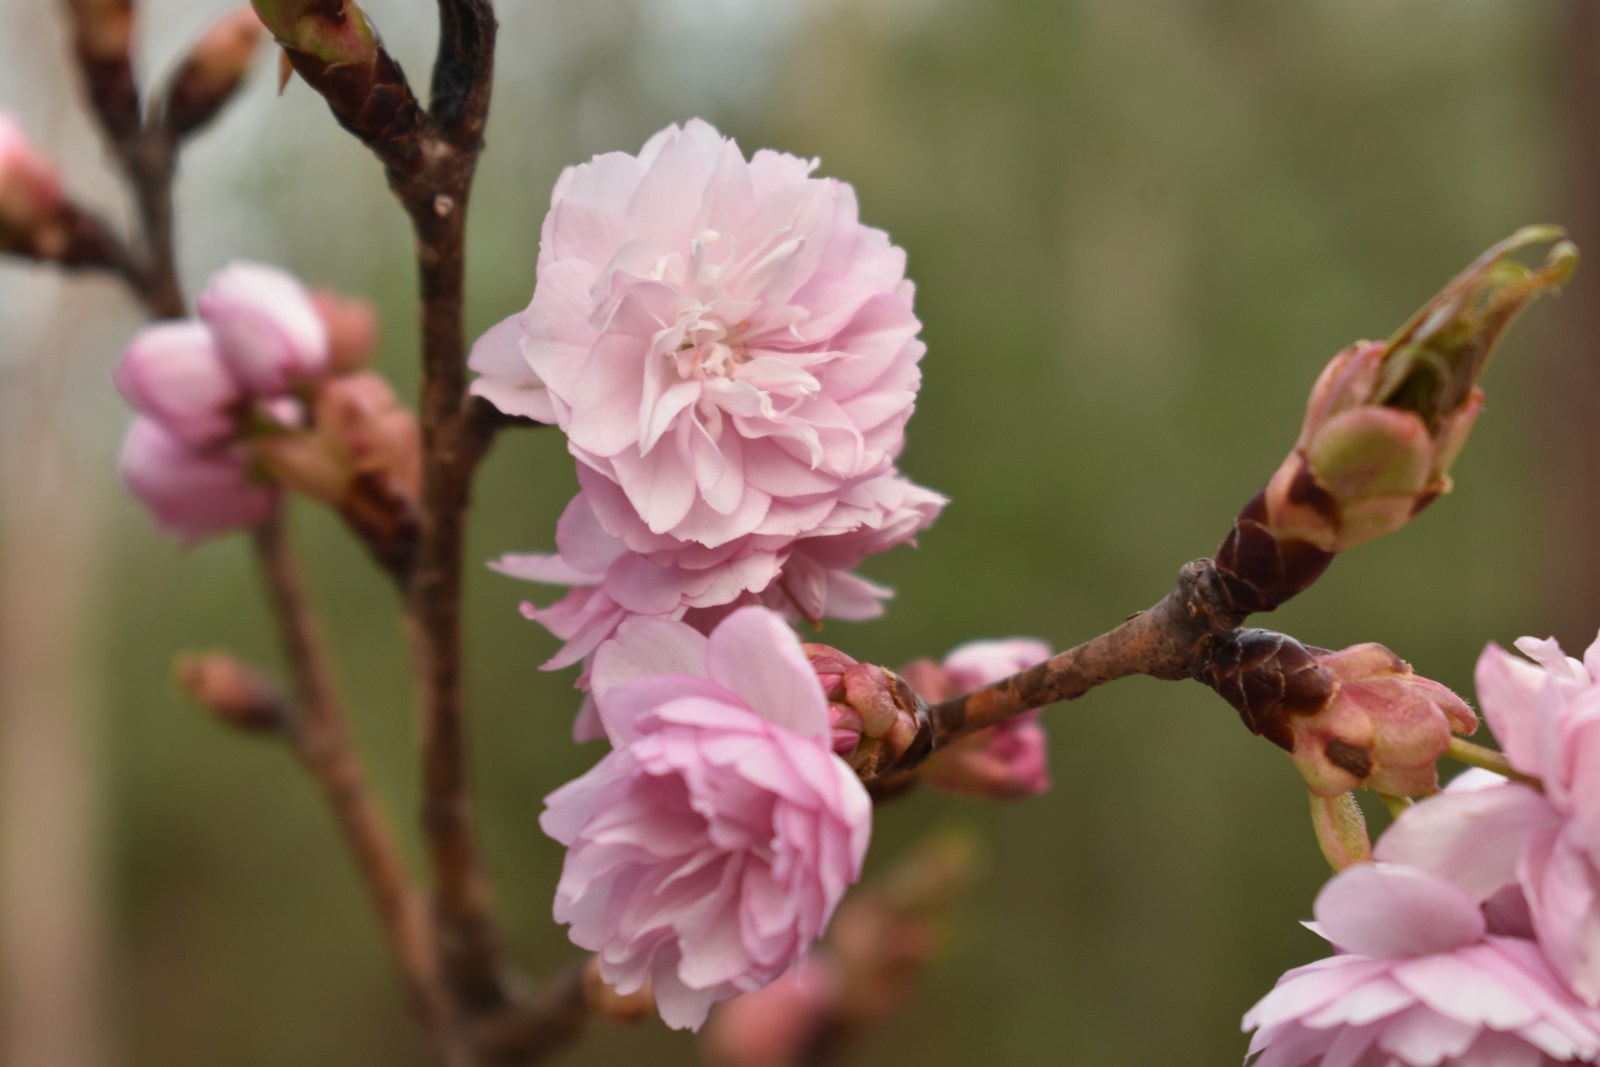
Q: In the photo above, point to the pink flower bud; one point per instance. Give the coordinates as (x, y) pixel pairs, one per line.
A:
(212, 70)
(1383, 717)
(1359, 717)
(369, 432)
(172, 373)
(352, 330)
(1386, 421)
(236, 694)
(267, 330)
(875, 718)
(30, 189)
(192, 495)
(362, 454)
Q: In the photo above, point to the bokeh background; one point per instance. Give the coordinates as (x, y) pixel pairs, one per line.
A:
(1138, 229)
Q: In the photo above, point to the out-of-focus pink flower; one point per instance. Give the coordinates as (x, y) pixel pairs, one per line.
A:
(266, 327)
(720, 338)
(710, 847)
(30, 186)
(774, 1026)
(807, 577)
(171, 372)
(1547, 719)
(192, 495)
(1420, 983)
(1006, 761)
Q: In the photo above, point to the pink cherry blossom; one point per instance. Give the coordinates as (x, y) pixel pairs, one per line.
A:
(1420, 982)
(191, 494)
(1545, 840)
(266, 327)
(709, 848)
(172, 373)
(808, 576)
(721, 339)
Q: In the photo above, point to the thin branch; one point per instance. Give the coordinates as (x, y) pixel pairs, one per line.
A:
(463, 72)
(436, 199)
(1170, 640)
(151, 162)
(317, 729)
(318, 732)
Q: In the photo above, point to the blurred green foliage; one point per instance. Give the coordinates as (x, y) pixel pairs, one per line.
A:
(1138, 229)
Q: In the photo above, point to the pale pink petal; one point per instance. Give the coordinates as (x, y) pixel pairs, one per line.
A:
(645, 647)
(757, 656)
(1389, 911)
(1471, 838)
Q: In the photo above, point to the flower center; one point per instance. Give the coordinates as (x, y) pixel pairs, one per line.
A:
(706, 347)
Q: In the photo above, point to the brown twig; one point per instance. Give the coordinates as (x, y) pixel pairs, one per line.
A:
(319, 734)
(1170, 640)
(436, 198)
(430, 158)
(315, 725)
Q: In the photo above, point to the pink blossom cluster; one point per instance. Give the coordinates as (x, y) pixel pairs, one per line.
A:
(733, 358)
(709, 848)
(1476, 939)
(197, 383)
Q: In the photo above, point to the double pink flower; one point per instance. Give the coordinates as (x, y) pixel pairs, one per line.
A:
(1422, 981)
(1543, 841)
(1476, 940)
(709, 848)
(733, 357)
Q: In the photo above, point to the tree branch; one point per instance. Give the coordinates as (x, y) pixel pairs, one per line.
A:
(319, 734)
(1170, 640)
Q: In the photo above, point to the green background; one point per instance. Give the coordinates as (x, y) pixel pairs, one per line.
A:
(1138, 230)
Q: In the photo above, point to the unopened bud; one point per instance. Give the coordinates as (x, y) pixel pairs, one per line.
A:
(172, 373)
(878, 722)
(352, 330)
(266, 328)
(192, 494)
(1385, 422)
(212, 71)
(235, 693)
(1358, 717)
(30, 191)
(103, 38)
(370, 432)
(362, 454)
(333, 46)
